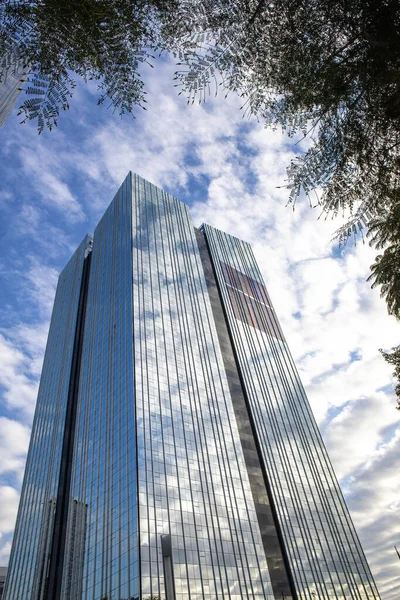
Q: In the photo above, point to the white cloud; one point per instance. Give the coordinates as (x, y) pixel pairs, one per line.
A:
(9, 499)
(373, 498)
(14, 441)
(46, 174)
(5, 553)
(30, 339)
(5, 198)
(22, 345)
(20, 390)
(353, 435)
(40, 286)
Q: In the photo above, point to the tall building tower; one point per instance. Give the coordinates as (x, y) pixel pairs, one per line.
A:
(3, 572)
(11, 84)
(174, 454)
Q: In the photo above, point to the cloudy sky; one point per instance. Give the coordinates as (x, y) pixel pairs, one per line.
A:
(55, 187)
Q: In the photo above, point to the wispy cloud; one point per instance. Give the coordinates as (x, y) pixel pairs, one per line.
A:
(41, 285)
(19, 391)
(49, 184)
(8, 501)
(14, 440)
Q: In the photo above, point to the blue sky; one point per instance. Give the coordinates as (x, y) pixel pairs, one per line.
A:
(55, 187)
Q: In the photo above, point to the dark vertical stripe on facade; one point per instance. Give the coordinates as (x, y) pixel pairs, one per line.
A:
(277, 562)
(54, 581)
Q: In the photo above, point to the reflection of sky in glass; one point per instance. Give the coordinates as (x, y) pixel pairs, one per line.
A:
(250, 301)
(36, 515)
(104, 473)
(323, 549)
(192, 480)
(10, 87)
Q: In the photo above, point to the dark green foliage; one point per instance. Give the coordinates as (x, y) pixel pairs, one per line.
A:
(393, 358)
(104, 40)
(385, 272)
(384, 231)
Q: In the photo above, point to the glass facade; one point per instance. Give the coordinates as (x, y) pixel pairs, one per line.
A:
(104, 471)
(30, 553)
(324, 554)
(192, 480)
(173, 452)
(11, 85)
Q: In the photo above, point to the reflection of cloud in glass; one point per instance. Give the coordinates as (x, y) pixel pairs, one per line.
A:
(192, 480)
(250, 301)
(44, 458)
(322, 546)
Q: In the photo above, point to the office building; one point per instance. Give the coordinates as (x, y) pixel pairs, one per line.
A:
(174, 453)
(11, 84)
(3, 573)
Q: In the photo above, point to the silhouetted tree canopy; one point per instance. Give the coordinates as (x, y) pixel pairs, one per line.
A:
(329, 69)
(384, 231)
(104, 40)
(393, 358)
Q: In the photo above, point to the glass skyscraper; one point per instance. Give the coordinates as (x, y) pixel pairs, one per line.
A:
(11, 84)
(174, 454)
